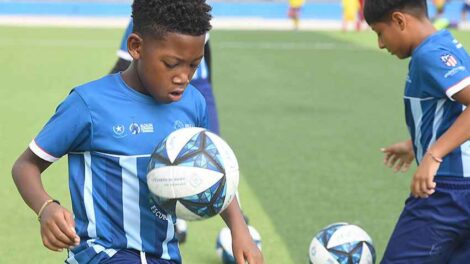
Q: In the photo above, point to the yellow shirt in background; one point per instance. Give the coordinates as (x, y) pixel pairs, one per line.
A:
(350, 9)
(296, 3)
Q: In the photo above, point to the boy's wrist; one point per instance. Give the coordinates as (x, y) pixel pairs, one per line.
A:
(434, 157)
(45, 205)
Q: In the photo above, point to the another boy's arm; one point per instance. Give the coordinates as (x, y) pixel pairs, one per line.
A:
(423, 184)
(242, 243)
(399, 156)
(57, 224)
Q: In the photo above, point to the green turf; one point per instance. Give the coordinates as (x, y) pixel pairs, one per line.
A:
(306, 114)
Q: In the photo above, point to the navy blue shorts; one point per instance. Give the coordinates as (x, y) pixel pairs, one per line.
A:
(132, 256)
(435, 229)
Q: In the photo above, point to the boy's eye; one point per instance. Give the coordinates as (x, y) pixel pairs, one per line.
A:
(170, 65)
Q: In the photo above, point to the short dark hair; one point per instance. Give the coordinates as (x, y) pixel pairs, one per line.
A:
(158, 17)
(380, 10)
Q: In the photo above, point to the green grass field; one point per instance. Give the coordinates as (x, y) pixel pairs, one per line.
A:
(305, 112)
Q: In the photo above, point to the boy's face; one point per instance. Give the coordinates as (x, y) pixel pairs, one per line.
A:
(165, 66)
(392, 36)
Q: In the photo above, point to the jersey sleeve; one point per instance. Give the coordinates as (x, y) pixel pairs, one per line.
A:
(68, 130)
(446, 72)
(123, 52)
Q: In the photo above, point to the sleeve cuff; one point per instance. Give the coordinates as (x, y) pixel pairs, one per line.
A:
(457, 87)
(41, 153)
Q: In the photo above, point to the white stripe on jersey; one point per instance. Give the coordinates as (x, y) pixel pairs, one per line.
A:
(33, 146)
(457, 87)
(417, 116)
(130, 198)
(170, 232)
(419, 99)
(438, 114)
(88, 196)
(71, 258)
(110, 252)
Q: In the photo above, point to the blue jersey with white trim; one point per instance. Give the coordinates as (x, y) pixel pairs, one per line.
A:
(439, 68)
(200, 77)
(109, 131)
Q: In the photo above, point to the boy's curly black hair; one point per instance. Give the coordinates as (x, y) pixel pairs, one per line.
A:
(158, 17)
(380, 10)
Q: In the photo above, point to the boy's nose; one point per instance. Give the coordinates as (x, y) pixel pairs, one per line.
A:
(181, 79)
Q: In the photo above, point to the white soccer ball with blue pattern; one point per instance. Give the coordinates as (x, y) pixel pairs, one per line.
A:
(342, 243)
(193, 174)
(224, 244)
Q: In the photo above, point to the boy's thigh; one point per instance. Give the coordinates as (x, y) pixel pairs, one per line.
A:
(426, 232)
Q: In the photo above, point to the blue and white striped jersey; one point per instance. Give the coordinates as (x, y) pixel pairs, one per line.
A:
(202, 72)
(109, 131)
(439, 68)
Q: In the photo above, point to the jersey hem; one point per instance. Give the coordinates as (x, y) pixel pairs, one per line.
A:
(36, 149)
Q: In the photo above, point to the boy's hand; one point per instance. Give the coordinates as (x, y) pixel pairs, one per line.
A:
(399, 156)
(58, 228)
(422, 184)
(244, 248)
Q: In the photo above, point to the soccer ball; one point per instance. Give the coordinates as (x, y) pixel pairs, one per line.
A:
(193, 174)
(224, 244)
(341, 243)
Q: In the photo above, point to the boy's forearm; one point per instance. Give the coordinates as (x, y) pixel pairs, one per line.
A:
(232, 215)
(26, 174)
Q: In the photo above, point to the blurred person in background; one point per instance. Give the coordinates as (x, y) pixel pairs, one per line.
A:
(465, 9)
(439, 5)
(360, 16)
(350, 12)
(294, 11)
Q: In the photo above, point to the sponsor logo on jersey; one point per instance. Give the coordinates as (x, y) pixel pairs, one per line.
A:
(454, 71)
(179, 124)
(134, 128)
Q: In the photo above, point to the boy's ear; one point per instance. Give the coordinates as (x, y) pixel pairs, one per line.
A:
(134, 45)
(399, 19)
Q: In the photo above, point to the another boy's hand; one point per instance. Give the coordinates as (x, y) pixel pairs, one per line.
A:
(58, 228)
(399, 156)
(423, 183)
(244, 248)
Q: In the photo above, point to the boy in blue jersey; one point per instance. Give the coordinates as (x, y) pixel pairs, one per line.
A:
(201, 80)
(434, 226)
(108, 128)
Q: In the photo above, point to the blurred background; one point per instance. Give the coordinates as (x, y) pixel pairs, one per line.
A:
(230, 14)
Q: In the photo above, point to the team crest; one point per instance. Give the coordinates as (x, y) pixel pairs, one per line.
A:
(449, 60)
(118, 130)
